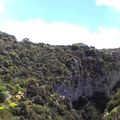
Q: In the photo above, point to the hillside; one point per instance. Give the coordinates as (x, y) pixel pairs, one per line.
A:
(46, 82)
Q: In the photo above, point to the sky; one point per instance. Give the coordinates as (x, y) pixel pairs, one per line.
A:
(63, 22)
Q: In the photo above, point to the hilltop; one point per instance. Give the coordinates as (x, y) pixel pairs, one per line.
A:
(47, 82)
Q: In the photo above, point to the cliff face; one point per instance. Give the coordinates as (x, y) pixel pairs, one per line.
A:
(93, 72)
(77, 73)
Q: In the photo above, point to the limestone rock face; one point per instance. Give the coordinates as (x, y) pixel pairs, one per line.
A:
(90, 75)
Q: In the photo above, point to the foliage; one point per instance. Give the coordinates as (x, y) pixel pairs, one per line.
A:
(31, 76)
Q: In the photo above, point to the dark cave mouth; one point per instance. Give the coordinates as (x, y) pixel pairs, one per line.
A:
(99, 100)
(80, 102)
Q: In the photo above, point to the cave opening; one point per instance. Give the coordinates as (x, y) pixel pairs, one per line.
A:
(99, 100)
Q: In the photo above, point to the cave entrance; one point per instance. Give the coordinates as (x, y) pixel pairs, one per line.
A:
(99, 100)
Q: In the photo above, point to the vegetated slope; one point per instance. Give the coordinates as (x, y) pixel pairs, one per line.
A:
(46, 82)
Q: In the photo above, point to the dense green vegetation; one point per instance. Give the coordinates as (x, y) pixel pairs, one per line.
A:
(31, 76)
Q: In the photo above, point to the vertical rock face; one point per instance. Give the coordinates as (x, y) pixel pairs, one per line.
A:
(83, 83)
(91, 75)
